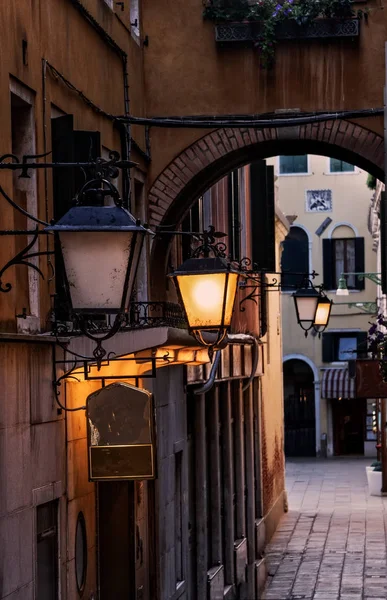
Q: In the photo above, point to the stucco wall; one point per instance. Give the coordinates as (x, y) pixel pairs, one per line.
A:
(350, 207)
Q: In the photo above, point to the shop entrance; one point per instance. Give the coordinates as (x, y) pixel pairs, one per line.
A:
(349, 417)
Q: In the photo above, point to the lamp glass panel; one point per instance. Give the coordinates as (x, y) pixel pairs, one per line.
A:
(306, 307)
(322, 313)
(96, 264)
(203, 298)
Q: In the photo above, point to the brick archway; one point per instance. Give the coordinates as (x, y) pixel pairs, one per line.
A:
(214, 155)
(211, 157)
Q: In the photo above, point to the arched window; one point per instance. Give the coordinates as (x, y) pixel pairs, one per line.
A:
(343, 253)
(295, 258)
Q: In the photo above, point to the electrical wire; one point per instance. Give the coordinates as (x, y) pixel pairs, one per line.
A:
(259, 121)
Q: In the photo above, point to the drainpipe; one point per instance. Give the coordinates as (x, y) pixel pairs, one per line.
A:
(233, 338)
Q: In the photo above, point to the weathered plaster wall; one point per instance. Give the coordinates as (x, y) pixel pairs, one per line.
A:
(186, 73)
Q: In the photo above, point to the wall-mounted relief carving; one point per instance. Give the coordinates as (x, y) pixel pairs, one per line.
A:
(318, 201)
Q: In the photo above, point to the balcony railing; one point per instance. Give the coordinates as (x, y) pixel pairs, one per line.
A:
(249, 32)
(141, 315)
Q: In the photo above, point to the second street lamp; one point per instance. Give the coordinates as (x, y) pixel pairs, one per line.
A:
(312, 308)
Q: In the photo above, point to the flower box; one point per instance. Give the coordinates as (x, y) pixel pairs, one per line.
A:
(247, 32)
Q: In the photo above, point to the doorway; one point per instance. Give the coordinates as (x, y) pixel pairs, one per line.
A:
(299, 409)
(348, 417)
(116, 540)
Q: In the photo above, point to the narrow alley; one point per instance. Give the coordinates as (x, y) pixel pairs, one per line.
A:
(331, 544)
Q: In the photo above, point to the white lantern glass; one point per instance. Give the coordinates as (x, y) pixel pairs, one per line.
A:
(208, 298)
(96, 265)
(306, 308)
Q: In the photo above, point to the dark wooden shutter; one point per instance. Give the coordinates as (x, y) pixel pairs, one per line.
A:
(327, 347)
(233, 216)
(68, 146)
(87, 147)
(262, 216)
(359, 262)
(361, 344)
(328, 265)
(383, 241)
(294, 259)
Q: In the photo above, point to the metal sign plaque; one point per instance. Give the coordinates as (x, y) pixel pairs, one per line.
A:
(120, 433)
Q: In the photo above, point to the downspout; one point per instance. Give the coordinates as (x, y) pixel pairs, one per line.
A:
(233, 338)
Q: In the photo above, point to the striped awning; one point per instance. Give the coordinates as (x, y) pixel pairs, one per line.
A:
(336, 383)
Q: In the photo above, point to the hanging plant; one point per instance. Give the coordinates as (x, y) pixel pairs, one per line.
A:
(269, 13)
(377, 343)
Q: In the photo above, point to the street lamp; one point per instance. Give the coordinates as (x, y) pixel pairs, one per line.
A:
(312, 308)
(101, 247)
(342, 290)
(207, 288)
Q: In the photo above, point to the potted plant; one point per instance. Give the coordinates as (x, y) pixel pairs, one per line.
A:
(377, 343)
(374, 477)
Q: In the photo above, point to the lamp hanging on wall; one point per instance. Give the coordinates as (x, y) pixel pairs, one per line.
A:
(313, 308)
(207, 287)
(101, 247)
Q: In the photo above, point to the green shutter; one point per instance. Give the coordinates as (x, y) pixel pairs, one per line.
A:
(327, 347)
(328, 265)
(361, 344)
(359, 262)
(262, 216)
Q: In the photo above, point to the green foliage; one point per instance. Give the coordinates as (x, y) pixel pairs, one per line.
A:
(371, 181)
(269, 13)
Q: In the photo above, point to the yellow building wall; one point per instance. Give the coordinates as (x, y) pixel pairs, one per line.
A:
(350, 206)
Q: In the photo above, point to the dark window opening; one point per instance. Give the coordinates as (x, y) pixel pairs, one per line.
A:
(340, 166)
(293, 164)
(343, 256)
(343, 346)
(47, 551)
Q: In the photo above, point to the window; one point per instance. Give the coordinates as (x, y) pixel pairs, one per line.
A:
(340, 166)
(343, 255)
(80, 553)
(342, 346)
(293, 164)
(135, 17)
(295, 258)
(47, 551)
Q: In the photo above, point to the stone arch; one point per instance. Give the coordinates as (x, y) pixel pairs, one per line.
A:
(215, 154)
(211, 157)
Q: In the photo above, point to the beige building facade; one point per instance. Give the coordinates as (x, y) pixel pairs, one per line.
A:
(327, 202)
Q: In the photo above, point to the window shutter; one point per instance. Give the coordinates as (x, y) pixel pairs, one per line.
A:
(327, 347)
(262, 216)
(233, 216)
(383, 241)
(294, 259)
(87, 147)
(359, 262)
(328, 264)
(68, 146)
(361, 344)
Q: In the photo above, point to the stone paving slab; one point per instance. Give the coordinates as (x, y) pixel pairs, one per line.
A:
(331, 545)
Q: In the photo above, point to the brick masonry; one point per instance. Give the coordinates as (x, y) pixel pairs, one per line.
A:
(222, 143)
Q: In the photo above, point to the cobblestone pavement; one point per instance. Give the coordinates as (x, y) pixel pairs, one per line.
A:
(331, 544)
